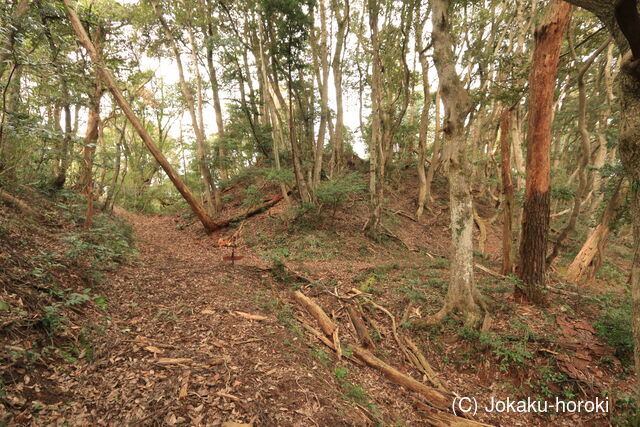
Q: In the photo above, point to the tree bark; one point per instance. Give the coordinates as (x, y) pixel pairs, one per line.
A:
(535, 221)
(507, 191)
(337, 143)
(462, 294)
(594, 245)
(423, 192)
(91, 138)
(110, 81)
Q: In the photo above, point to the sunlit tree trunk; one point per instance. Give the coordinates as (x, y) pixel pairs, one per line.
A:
(542, 82)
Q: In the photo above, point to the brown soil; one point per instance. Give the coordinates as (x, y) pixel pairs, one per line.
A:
(192, 339)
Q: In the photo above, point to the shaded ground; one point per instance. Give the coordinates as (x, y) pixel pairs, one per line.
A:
(179, 348)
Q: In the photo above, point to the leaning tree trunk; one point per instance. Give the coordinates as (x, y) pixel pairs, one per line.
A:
(462, 294)
(594, 244)
(110, 82)
(536, 211)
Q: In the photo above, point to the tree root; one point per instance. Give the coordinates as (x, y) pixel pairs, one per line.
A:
(437, 399)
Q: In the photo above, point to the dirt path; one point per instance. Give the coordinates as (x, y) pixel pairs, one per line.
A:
(179, 300)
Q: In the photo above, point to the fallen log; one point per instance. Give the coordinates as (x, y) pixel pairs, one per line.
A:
(326, 324)
(360, 327)
(424, 366)
(217, 225)
(432, 395)
(436, 398)
(17, 203)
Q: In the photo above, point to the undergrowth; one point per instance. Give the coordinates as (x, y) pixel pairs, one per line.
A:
(54, 274)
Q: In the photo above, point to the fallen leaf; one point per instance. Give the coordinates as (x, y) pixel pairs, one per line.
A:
(153, 349)
(251, 316)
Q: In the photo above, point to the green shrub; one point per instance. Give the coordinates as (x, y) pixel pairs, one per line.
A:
(614, 326)
(253, 196)
(336, 191)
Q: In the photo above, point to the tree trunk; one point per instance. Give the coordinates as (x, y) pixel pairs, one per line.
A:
(462, 294)
(535, 220)
(337, 143)
(388, 106)
(606, 87)
(303, 190)
(217, 107)
(108, 202)
(423, 191)
(91, 138)
(65, 148)
(88, 151)
(623, 21)
(109, 80)
(437, 152)
(10, 104)
(594, 244)
(507, 191)
(322, 76)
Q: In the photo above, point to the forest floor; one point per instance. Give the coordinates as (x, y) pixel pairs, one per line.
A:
(189, 338)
